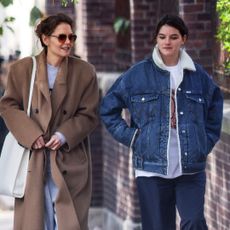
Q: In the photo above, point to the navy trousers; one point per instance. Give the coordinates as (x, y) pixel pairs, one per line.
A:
(160, 197)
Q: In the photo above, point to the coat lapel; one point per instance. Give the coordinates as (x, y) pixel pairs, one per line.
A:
(44, 99)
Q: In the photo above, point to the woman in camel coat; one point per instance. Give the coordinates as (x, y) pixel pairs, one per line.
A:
(63, 114)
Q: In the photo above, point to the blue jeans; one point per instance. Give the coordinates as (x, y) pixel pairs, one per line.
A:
(160, 197)
(50, 192)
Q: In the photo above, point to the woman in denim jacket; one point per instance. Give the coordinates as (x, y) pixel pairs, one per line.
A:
(176, 112)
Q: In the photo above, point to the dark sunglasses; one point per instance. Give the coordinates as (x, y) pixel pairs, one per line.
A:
(62, 37)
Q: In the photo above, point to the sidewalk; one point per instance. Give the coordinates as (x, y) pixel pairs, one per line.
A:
(6, 213)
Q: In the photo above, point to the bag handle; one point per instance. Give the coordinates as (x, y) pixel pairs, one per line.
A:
(32, 84)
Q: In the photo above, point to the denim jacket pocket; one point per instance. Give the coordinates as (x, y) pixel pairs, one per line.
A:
(197, 144)
(196, 105)
(144, 107)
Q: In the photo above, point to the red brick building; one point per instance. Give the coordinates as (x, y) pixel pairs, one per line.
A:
(115, 204)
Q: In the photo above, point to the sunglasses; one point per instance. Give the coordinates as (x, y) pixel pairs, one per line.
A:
(62, 37)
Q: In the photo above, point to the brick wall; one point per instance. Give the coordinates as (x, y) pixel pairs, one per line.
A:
(102, 43)
(97, 39)
(54, 7)
(100, 38)
(144, 15)
(201, 20)
(119, 186)
(97, 164)
(123, 37)
(218, 186)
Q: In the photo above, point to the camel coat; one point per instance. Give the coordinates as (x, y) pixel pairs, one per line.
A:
(72, 110)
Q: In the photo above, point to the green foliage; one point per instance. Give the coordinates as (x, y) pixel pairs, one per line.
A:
(121, 25)
(5, 23)
(6, 3)
(223, 33)
(9, 19)
(35, 14)
(66, 2)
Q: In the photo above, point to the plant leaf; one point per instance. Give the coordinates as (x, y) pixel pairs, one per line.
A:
(6, 3)
(35, 14)
(9, 19)
(120, 25)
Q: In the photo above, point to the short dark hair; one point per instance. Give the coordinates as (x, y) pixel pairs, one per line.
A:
(174, 21)
(48, 25)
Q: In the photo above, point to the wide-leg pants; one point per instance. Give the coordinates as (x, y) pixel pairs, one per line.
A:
(160, 197)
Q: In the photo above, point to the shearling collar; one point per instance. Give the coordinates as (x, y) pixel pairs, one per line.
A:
(186, 61)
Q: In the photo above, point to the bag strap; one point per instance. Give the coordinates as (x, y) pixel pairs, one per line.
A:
(32, 84)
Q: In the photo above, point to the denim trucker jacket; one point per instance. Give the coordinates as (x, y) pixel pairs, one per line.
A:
(145, 91)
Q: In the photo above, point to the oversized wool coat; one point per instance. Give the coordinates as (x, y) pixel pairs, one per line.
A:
(72, 110)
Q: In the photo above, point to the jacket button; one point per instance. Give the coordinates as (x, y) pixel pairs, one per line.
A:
(64, 112)
(185, 153)
(36, 110)
(142, 99)
(181, 112)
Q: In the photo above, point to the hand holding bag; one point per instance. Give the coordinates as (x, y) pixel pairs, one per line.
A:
(14, 158)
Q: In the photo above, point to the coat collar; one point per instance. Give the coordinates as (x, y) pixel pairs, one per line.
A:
(41, 78)
(185, 60)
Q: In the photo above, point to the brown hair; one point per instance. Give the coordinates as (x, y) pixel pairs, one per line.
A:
(48, 25)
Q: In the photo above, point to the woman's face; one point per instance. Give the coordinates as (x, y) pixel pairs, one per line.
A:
(169, 42)
(57, 47)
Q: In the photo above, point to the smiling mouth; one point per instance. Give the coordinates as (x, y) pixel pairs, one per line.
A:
(66, 48)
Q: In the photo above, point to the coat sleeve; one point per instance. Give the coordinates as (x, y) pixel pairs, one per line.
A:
(85, 119)
(13, 107)
(214, 115)
(111, 113)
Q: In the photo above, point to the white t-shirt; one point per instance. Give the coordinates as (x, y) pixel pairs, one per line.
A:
(52, 74)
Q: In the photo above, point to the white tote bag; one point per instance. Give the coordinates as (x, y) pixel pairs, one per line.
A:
(14, 158)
